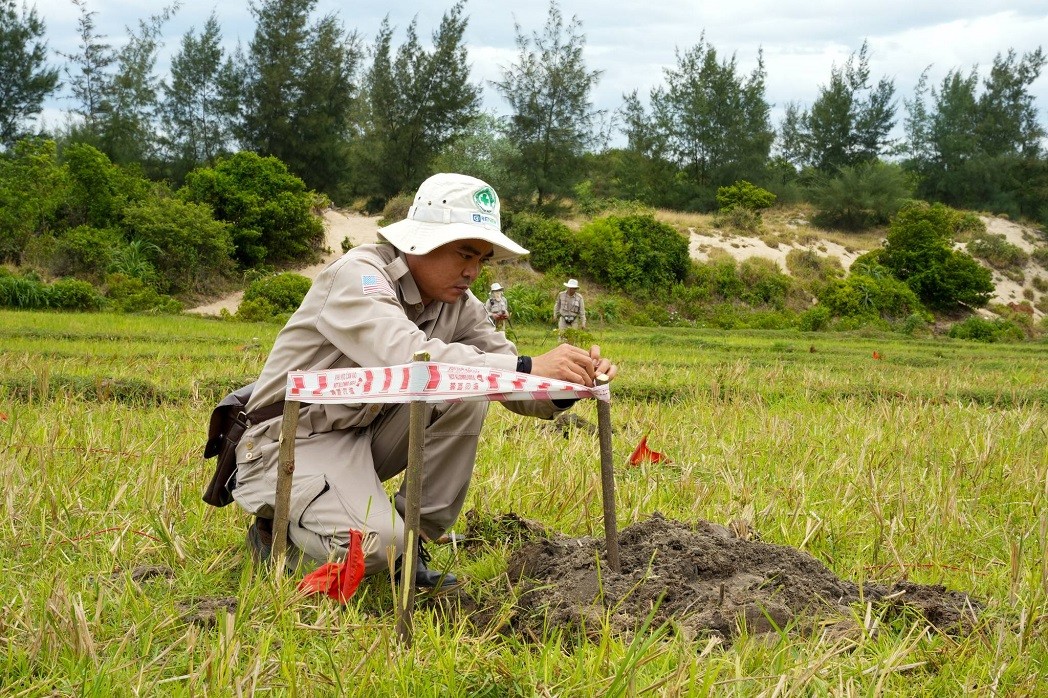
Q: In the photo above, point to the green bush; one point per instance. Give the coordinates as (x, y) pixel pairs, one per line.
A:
(130, 295)
(764, 282)
(860, 196)
(26, 292)
(270, 209)
(809, 265)
(1040, 254)
(529, 304)
(100, 190)
(190, 250)
(73, 294)
(738, 218)
(744, 195)
(633, 252)
(997, 251)
(919, 250)
(990, 331)
(552, 245)
(273, 296)
(33, 189)
(814, 319)
(85, 252)
(396, 209)
(861, 295)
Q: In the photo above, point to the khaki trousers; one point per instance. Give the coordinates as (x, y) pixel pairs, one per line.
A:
(339, 474)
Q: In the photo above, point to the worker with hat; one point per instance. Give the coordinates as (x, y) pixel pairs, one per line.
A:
(569, 312)
(377, 306)
(497, 307)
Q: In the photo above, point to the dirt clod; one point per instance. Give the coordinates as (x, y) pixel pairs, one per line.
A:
(704, 580)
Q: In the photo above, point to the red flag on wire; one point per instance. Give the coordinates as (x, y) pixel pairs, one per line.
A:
(339, 580)
(643, 454)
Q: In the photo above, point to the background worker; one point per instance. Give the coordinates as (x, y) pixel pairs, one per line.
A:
(497, 307)
(377, 306)
(569, 312)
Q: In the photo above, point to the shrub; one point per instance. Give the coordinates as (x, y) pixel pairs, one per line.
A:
(1040, 254)
(862, 294)
(26, 292)
(919, 250)
(129, 295)
(814, 319)
(273, 296)
(100, 190)
(85, 252)
(190, 249)
(979, 330)
(552, 245)
(809, 265)
(529, 304)
(997, 251)
(633, 252)
(744, 195)
(33, 188)
(764, 281)
(396, 209)
(73, 294)
(269, 209)
(860, 196)
(738, 218)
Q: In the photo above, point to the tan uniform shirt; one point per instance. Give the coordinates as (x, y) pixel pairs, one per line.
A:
(365, 310)
(571, 309)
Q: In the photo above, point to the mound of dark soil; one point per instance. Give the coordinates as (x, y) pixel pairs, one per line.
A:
(705, 581)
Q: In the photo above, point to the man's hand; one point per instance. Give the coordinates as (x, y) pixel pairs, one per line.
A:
(570, 363)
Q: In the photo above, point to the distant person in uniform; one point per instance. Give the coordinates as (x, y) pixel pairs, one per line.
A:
(570, 309)
(497, 307)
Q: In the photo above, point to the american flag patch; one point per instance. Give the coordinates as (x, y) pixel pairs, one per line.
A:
(373, 284)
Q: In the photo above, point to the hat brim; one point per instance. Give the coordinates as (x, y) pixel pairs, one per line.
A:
(421, 237)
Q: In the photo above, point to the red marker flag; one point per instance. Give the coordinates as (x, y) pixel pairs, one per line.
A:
(643, 454)
(339, 580)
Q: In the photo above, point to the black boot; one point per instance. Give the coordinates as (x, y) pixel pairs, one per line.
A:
(424, 576)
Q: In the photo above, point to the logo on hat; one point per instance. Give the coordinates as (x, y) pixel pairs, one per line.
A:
(485, 199)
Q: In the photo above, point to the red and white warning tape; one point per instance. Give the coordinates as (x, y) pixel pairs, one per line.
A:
(429, 381)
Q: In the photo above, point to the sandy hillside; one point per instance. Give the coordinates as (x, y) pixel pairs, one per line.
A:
(743, 247)
(338, 225)
(361, 229)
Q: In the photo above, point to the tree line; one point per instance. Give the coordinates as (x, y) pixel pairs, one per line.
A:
(367, 119)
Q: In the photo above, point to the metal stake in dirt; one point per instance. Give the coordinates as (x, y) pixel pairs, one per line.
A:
(412, 515)
(607, 480)
(285, 472)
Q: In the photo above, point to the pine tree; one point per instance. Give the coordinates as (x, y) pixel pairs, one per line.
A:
(25, 79)
(195, 128)
(552, 120)
(416, 103)
(294, 93)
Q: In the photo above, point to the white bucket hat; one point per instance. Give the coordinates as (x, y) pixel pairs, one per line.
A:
(451, 207)
(572, 283)
(496, 286)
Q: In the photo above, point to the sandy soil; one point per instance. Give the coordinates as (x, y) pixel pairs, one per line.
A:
(337, 226)
(362, 229)
(743, 247)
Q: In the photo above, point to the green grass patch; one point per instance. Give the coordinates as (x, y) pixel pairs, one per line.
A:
(927, 463)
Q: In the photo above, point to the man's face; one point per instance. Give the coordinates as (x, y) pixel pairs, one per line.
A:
(446, 273)
(571, 291)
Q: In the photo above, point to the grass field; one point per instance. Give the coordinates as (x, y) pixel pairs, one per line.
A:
(929, 463)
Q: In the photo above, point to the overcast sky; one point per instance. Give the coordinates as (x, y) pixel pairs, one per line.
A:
(632, 41)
